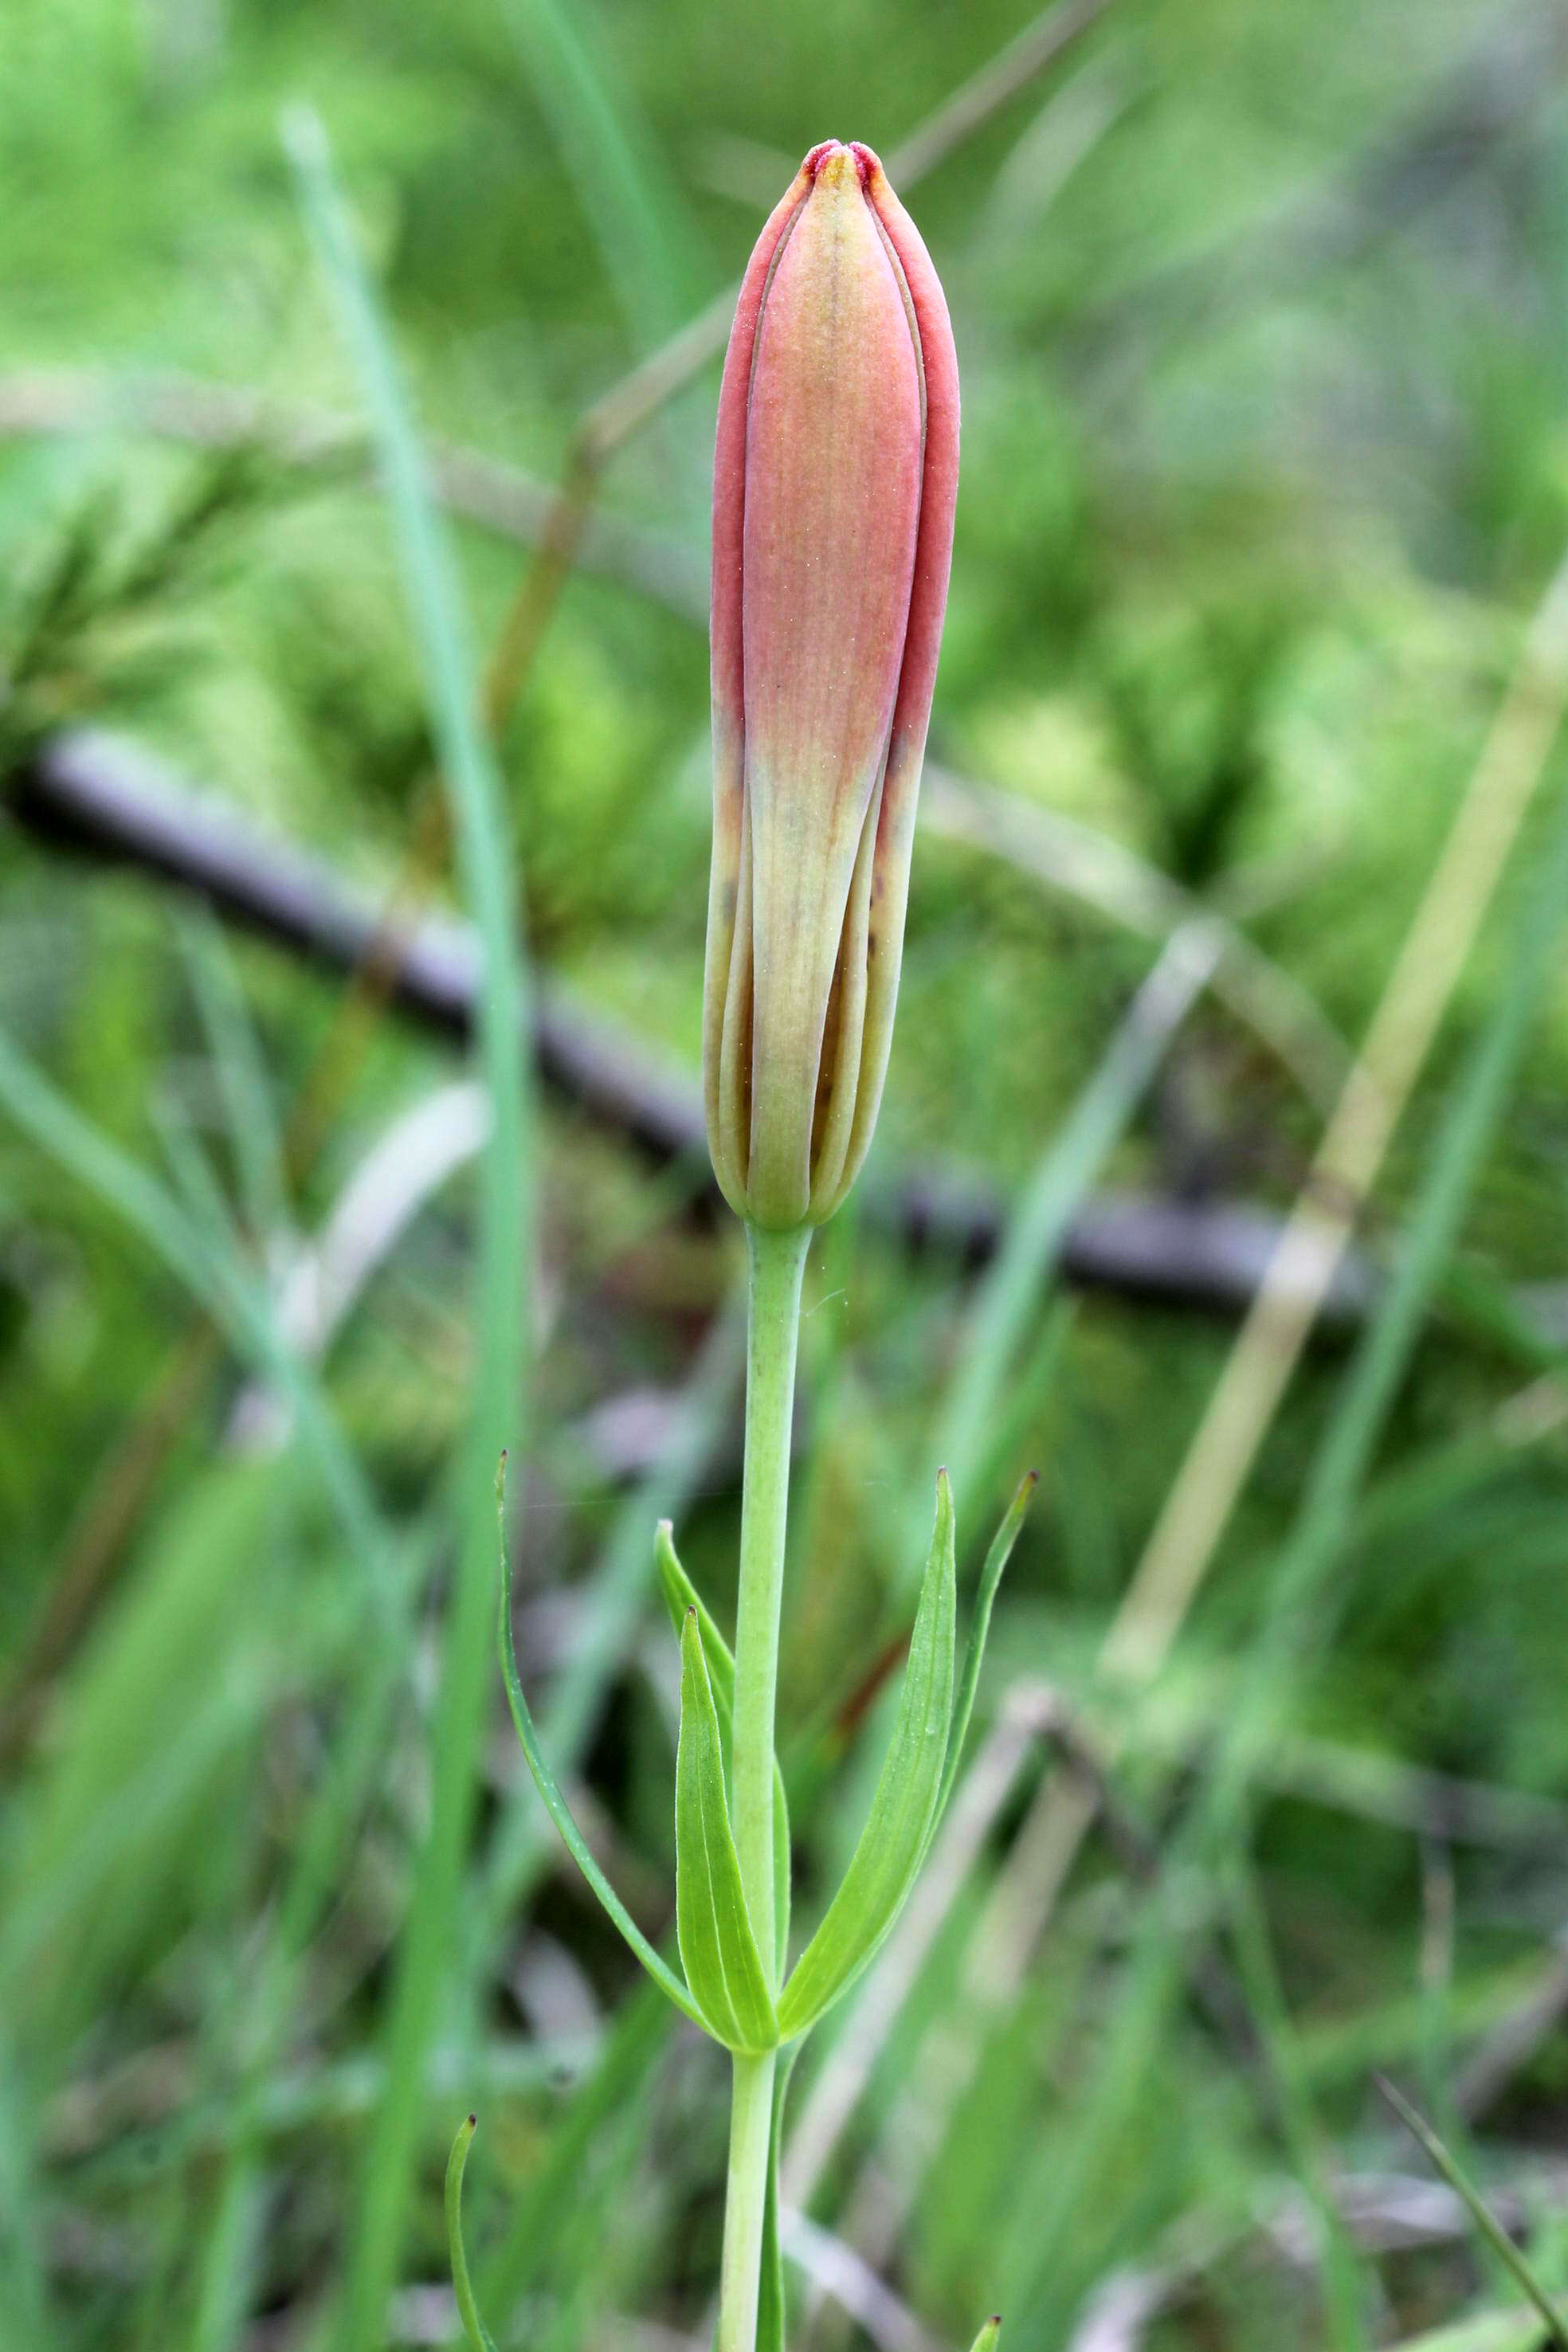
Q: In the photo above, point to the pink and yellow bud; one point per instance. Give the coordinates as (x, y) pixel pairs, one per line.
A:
(833, 484)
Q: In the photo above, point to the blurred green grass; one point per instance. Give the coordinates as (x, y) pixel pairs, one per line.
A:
(1260, 316)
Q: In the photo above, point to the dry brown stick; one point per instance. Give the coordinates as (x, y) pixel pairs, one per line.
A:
(100, 795)
(569, 532)
(528, 617)
(992, 88)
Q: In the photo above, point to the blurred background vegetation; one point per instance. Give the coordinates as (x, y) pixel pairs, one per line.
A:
(1263, 317)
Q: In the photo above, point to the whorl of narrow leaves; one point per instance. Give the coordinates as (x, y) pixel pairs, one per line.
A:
(727, 1990)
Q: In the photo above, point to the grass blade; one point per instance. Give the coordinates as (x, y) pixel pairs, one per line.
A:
(487, 872)
(473, 2327)
(1486, 2221)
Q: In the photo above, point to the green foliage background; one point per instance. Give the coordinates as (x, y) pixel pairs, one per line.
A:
(1263, 317)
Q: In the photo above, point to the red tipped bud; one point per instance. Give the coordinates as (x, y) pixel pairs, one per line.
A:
(834, 484)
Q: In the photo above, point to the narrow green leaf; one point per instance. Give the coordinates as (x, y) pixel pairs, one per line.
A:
(680, 1595)
(1486, 2221)
(986, 2339)
(892, 1843)
(555, 1804)
(781, 1875)
(996, 1559)
(682, 1599)
(717, 1948)
(771, 2288)
(473, 2327)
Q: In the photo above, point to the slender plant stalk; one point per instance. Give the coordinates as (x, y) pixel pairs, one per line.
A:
(777, 1264)
(745, 2197)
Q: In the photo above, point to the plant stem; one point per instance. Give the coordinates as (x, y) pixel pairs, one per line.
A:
(746, 2201)
(777, 1264)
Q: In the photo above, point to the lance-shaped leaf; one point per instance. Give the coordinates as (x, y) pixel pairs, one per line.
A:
(681, 1598)
(717, 1948)
(894, 1842)
(996, 1559)
(555, 1804)
(986, 2339)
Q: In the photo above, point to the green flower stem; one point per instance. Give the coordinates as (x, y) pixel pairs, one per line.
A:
(777, 1264)
(746, 2201)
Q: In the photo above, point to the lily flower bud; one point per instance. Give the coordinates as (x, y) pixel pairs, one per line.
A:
(834, 485)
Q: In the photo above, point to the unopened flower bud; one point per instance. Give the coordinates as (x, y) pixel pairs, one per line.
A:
(835, 478)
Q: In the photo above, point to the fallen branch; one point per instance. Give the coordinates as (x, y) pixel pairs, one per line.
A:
(94, 795)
